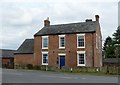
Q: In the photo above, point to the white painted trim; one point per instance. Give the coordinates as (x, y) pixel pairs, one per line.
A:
(42, 42)
(80, 47)
(61, 47)
(81, 52)
(84, 40)
(60, 42)
(82, 34)
(44, 52)
(45, 64)
(45, 36)
(61, 35)
(61, 54)
(81, 65)
(44, 47)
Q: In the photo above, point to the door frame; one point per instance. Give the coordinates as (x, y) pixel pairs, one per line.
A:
(61, 54)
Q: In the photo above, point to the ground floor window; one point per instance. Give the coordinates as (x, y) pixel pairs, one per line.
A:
(44, 58)
(81, 58)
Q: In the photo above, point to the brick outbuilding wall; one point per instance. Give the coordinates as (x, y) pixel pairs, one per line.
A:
(23, 59)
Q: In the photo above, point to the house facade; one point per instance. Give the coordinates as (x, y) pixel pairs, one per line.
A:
(24, 54)
(69, 45)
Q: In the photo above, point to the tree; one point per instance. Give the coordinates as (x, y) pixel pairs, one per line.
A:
(109, 48)
(116, 37)
(112, 45)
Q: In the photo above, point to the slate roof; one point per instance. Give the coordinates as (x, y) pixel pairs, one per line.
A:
(6, 53)
(111, 60)
(82, 27)
(26, 47)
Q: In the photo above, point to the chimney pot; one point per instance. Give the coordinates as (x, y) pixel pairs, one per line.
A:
(47, 22)
(97, 17)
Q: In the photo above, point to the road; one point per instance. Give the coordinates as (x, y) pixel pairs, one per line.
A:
(32, 76)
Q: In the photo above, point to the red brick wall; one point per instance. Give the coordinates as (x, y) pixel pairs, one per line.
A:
(53, 50)
(37, 50)
(98, 51)
(6, 60)
(70, 50)
(23, 59)
(89, 49)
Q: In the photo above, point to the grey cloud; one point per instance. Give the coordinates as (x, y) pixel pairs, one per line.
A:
(22, 19)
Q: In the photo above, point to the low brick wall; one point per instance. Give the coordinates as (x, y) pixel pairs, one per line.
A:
(106, 69)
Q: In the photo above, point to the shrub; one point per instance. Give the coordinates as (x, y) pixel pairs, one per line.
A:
(37, 67)
(29, 66)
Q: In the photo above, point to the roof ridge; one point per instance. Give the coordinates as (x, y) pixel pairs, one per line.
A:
(72, 23)
(29, 39)
(8, 49)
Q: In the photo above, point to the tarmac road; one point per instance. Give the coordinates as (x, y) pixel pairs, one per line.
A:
(32, 76)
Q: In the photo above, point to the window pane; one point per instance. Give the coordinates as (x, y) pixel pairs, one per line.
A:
(62, 42)
(80, 41)
(45, 42)
(81, 59)
(45, 58)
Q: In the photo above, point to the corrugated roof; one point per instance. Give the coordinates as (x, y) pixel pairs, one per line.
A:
(26, 47)
(6, 53)
(82, 27)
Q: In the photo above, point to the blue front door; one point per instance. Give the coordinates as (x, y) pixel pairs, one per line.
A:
(62, 61)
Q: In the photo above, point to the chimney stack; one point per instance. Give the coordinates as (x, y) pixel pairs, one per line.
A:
(97, 17)
(47, 22)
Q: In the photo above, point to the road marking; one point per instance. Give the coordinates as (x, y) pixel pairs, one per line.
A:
(83, 78)
(66, 77)
(59, 77)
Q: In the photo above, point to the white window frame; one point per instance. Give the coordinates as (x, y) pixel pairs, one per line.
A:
(61, 54)
(42, 58)
(77, 40)
(60, 41)
(43, 42)
(81, 52)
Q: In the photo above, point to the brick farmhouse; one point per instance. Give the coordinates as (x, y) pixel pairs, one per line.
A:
(65, 45)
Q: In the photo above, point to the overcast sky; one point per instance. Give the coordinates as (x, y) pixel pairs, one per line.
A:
(21, 19)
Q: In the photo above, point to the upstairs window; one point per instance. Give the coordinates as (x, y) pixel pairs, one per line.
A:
(44, 42)
(80, 40)
(61, 41)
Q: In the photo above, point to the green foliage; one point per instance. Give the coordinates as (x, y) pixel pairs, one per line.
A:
(37, 67)
(116, 36)
(109, 48)
(29, 66)
(112, 45)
